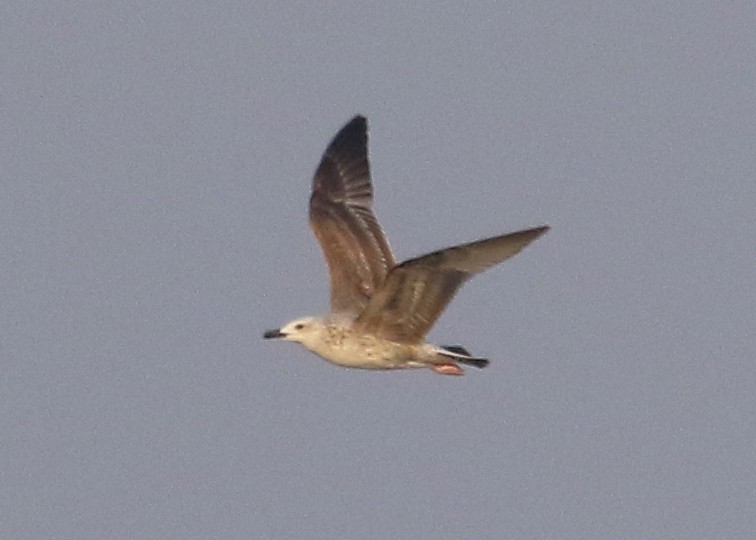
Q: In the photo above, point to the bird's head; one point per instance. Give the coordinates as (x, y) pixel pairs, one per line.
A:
(304, 331)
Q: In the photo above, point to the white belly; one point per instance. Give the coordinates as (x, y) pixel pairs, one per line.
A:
(368, 352)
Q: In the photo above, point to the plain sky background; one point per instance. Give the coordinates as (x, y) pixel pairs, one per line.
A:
(155, 166)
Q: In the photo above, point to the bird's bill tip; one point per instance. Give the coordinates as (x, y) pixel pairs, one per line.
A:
(273, 334)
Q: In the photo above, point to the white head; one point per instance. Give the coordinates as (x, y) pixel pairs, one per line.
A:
(306, 331)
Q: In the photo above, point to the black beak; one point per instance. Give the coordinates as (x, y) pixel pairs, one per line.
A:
(273, 334)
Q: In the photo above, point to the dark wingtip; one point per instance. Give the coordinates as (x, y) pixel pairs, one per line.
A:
(463, 357)
(535, 232)
(477, 362)
(349, 143)
(358, 120)
(354, 131)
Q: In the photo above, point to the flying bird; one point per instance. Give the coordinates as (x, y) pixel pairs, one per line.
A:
(381, 311)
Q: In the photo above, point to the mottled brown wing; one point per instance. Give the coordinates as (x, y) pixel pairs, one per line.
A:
(353, 243)
(417, 291)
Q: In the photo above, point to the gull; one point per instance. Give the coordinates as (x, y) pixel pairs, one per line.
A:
(381, 311)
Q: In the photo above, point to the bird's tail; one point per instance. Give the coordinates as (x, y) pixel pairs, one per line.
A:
(461, 355)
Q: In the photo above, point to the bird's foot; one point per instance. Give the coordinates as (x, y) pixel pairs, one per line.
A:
(447, 369)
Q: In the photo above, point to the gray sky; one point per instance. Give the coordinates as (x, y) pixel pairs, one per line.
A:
(155, 161)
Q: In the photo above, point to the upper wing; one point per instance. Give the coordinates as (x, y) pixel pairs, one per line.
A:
(353, 243)
(417, 291)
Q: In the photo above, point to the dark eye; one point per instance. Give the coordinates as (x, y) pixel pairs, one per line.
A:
(298, 326)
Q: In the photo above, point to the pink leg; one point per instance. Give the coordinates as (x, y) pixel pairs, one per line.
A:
(447, 369)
